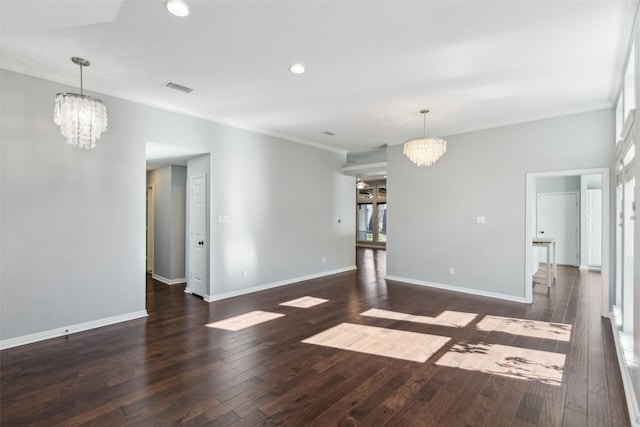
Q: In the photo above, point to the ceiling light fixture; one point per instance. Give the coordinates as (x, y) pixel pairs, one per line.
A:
(360, 184)
(424, 151)
(177, 7)
(81, 118)
(297, 68)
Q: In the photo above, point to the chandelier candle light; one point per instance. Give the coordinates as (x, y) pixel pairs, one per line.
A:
(81, 118)
(424, 151)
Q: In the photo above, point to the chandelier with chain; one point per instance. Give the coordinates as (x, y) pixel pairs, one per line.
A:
(424, 151)
(81, 118)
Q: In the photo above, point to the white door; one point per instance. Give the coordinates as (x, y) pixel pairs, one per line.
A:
(557, 217)
(594, 227)
(197, 234)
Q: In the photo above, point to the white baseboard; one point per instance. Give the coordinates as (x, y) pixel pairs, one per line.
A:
(71, 329)
(168, 281)
(627, 384)
(231, 294)
(458, 289)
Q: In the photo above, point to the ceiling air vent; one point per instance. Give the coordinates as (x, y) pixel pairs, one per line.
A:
(176, 86)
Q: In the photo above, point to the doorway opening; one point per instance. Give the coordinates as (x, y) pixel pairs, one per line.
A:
(168, 237)
(581, 247)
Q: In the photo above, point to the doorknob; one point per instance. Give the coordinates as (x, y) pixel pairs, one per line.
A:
(201, 242)
(542, 232)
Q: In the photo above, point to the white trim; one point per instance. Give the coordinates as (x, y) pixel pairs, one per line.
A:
(231, 294)
(452, 288)
(168, 281)
(629, 392)
(72, 329)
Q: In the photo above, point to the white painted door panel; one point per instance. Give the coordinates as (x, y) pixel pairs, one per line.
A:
(558, 217)
(198, 233)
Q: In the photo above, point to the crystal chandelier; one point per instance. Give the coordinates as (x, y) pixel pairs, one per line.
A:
(424, 151)
(81, 118)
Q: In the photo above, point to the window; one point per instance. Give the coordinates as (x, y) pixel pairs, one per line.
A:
(365, 222)
(371, 212)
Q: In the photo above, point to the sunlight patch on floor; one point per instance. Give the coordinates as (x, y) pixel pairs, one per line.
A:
(527, 328)
(380, 341)
(506, 361)
(243, 321)
(304, 302)
(455, 319)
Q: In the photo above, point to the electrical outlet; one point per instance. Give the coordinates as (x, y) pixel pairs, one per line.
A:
(451, 271)
(324, 259)
(245, 273)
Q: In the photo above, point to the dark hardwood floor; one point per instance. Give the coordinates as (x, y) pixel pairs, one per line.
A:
(171, 369)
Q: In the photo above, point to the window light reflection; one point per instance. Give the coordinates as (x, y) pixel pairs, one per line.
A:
(243, 321)
(454, 319)
(506, 361)
(404, 345)
(527, 328)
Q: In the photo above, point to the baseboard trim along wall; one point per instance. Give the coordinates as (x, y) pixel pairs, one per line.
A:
(231, 294)
(168, 281)
(457, 289)
(71, 329)
(627, 382)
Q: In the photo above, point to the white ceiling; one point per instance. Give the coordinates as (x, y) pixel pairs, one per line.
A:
(371, 65)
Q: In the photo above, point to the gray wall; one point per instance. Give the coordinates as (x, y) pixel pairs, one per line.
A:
(432, 211)
(284, 200)
(73, 221)
(169, 199)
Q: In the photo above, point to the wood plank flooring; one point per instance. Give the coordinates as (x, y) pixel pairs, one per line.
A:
(171, 369)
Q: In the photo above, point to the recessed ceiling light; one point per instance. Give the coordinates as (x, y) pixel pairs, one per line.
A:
(297, 68)
(177, 7)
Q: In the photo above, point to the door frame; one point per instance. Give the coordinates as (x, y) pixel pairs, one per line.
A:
(588, 219)
(606, 250)
(150, 228)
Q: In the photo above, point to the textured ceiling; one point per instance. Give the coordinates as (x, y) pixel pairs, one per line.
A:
(371, 65)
